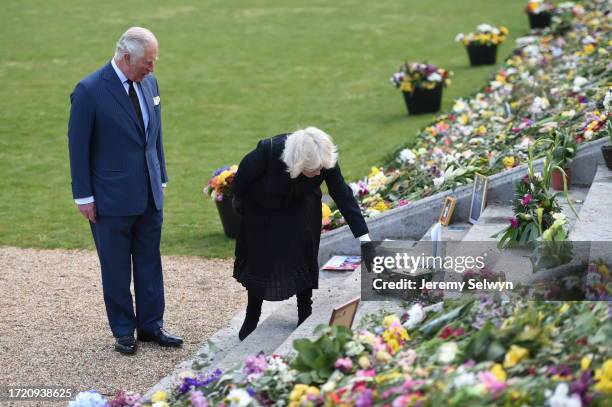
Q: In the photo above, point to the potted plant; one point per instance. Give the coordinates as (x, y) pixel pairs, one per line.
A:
(219, 188)
(540, 13)
(563, 151)
(607, 149)
(482, 44)
(421, 85)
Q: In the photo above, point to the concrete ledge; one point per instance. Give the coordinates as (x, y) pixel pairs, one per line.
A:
(412, 221)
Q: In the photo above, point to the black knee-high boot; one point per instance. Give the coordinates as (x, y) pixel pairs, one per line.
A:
(304, 303)
(251, 319)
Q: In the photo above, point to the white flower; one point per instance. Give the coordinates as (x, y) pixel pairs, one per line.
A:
(560, 397)
(460, 106)
(589, 40)
(239, 398)
(376, 182)
(447, 352)
(608, 101)
(88, 399)
(416, 315)
(434, 77)
(459, 37)
(439, 181)
(539, 105)
(406, 156)
(578, 83)
(465, 379)
(484, 28)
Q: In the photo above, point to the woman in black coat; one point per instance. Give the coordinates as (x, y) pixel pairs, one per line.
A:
(277, 191)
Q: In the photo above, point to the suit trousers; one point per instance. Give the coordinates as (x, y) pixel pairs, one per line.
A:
(126, 243)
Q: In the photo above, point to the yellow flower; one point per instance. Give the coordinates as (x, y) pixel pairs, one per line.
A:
(313, 391)
(515, 355)
(298, 391)
(383, 356)
(464, 119)
(504, 30)
(387, 377)
(373, 171)
(588, 49)
(326, 212)
(381, 206)
(389, 320)
(364, 362)
(604, 378)
(564, 308)
(499, 372)
(603, 270)
(508, 162)
(585, 362)
(159, 396)
(406, 86)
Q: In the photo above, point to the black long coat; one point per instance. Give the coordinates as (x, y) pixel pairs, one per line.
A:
(278, 243)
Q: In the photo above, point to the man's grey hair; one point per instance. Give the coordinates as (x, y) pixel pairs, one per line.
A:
(133, 42)
(309, 149)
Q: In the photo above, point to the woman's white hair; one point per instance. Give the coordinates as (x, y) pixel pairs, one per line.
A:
(133, 42)
(309, 149)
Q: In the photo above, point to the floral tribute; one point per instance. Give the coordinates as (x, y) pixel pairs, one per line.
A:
(413, 75)
(485, 34)
(539, 6)
(478, 353)
(220, 185)
(551, 80)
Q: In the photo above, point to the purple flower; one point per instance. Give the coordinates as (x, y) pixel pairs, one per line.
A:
(220, 170)
(202, 380)
(527, 199)
(581, 387)
(255, 364)
(514, 222)
(365, 399)
(197, 399)
(561, 370)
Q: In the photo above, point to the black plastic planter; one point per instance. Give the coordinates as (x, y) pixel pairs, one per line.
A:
(229, 218)
(423, 100)
(482, 54)
(540, 20)
(607, 154)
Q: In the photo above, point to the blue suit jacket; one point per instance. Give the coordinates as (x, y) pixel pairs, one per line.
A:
(109, 157)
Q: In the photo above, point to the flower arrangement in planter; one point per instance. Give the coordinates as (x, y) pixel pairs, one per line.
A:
(540, 13)
(482, 44)
(421, 85)
(219, 188)
(538, 215)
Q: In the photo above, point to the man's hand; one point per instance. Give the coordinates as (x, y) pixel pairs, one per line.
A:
(89, 211)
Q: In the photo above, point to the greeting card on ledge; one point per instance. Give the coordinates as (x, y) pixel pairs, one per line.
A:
(342, 263)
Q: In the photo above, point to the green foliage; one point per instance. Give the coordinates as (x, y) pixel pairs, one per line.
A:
(315, 359)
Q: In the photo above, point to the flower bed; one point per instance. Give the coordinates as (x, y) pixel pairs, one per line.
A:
(483, 352)
(550, 81)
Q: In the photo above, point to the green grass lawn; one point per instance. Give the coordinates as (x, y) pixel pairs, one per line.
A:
(230, 73)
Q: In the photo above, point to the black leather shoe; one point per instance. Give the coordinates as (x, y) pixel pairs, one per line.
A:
(162, 337)
(126, 345)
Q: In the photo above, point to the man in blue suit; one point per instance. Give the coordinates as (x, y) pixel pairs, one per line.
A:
(118, 175)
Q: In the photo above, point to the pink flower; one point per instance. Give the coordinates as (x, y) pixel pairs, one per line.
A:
(514, 223)
(491, 384)
(344, 365)
(526, 199)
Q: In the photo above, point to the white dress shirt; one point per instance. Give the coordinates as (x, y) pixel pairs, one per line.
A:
(143, 109)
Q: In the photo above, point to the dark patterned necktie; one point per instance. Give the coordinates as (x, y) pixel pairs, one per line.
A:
(136, 103)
